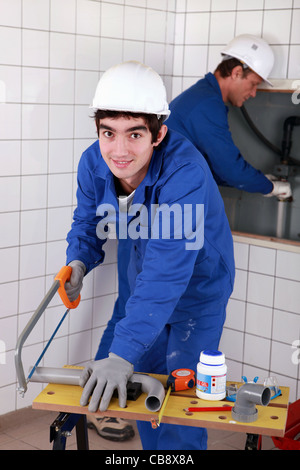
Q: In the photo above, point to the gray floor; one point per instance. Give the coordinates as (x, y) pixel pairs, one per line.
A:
(28, 429)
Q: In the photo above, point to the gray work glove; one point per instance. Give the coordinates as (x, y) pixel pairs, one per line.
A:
(74, 285)
(101, 378)
(281, 189)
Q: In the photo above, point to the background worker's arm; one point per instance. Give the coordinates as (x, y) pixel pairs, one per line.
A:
(209, 131)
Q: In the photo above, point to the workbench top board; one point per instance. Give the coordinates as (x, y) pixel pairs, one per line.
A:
(271, 419)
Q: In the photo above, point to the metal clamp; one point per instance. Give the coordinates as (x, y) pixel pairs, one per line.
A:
(61, 429)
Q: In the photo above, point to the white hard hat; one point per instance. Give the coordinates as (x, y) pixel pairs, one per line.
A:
(253, 51)
(132, 87)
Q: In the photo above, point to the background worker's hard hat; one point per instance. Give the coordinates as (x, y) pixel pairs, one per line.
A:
(132, 87)
(253, 51)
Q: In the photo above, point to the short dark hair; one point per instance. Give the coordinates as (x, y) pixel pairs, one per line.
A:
(226, 66)
(153, 122)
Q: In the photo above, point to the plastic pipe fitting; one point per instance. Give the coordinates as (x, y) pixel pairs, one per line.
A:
(153, 388)
(247, 397)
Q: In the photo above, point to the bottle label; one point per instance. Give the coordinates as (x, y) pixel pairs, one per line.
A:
(213, 384)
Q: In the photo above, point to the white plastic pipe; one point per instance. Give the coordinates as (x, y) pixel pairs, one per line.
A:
(152, 387)
(281, 218)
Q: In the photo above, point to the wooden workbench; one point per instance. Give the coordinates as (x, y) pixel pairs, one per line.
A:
(271, 419)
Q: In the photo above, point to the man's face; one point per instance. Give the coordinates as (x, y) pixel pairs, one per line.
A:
(242, 89)
(126, 147)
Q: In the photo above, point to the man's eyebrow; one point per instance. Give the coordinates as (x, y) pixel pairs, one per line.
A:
(104, 126)
(131, 129)
(137, 128)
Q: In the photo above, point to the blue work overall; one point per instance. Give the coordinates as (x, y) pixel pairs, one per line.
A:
(173, 305)
(200, 115)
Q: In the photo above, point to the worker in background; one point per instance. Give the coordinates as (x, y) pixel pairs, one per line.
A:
(200, 114)
(180, 281)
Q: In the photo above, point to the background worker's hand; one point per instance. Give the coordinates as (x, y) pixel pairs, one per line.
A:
(281, 189)
(74, 285)
(101, 378)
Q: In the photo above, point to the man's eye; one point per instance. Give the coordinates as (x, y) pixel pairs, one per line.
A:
(135, 136)
(108, 134)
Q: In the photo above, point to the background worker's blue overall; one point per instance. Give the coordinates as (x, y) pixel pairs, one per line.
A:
(200, 114)
(175, 297)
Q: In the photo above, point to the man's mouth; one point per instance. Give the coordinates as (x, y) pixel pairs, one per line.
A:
(121, 163)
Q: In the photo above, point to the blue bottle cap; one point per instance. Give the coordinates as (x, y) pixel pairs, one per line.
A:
(212, 358)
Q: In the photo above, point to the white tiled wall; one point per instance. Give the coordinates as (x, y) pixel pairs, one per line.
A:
(262, 329)
(51, 56)
(203, 27)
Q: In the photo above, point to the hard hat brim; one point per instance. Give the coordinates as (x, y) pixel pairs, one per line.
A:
(164, 114)
(236, 56)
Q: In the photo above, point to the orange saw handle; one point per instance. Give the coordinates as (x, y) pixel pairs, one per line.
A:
(63, 276)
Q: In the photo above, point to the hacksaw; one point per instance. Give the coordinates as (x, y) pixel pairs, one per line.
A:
(58, 285)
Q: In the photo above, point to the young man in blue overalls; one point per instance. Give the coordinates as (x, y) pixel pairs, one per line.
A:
(179, 280)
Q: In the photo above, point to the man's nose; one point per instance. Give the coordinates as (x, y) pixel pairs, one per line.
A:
(121, 148)
(253, 93)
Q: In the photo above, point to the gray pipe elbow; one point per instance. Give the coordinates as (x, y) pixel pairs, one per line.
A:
(152, 387)
(248, 396)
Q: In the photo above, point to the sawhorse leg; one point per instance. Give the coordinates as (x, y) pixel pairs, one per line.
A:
(253, 442)
(61, 428)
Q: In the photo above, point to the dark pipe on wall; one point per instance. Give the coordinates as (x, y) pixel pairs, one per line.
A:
(288, 126)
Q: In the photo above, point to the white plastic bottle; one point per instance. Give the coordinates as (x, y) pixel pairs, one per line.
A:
(211, 376)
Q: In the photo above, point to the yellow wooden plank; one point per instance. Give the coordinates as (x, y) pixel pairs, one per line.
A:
(271, 419)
